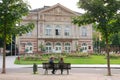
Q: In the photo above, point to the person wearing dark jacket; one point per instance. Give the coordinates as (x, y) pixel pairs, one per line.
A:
(61, 65)
(51, 62)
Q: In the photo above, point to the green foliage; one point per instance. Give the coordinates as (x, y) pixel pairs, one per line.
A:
(114, 56)
(35, 68)
(79, 54)
(32, 57)
(11, 13)
(1, 42)
(42, 47)
(115, 39)
(103, 13)
(93, 59)
(99, 54)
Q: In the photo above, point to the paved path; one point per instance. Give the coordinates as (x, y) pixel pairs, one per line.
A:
(80, 76)
(41, 76)
(10, 62)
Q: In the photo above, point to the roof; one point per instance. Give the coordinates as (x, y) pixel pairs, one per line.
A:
(48, 7)
(40, 9)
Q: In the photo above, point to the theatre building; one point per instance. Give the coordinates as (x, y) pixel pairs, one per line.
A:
(54, 32)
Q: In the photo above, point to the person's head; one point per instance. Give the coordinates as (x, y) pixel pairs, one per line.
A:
(51, 58)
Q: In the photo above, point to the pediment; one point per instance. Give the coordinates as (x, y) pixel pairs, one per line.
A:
(58, 10)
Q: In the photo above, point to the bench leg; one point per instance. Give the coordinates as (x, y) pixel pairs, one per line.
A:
(67, 71)
(46, 71)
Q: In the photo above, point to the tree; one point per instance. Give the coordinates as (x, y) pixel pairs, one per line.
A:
(11, 13)
(1, 42)
(42, 47)
(105, 14)
(115, 39)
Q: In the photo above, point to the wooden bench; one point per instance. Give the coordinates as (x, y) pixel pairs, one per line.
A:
(66, 66)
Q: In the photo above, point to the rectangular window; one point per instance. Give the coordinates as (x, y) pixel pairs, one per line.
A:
(89, 47)
(67, 33)
(29, 34)
(48, 32)
(56, 32)
(84, 31)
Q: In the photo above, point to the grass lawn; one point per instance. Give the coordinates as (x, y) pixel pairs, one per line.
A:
(93, 59)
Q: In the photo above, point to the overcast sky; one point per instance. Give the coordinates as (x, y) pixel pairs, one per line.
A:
(71, 4)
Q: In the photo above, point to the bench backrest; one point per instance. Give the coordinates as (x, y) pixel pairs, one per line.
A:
(56, 65)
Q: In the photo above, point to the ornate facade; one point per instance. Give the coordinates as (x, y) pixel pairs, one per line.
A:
(54, 32)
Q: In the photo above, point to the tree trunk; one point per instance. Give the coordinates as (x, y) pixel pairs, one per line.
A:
(4, 48)
(108, 57)
(4, 55)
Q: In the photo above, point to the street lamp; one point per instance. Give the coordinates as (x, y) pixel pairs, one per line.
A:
(99, 43)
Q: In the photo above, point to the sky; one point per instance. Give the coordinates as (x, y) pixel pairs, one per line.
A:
(71, 4)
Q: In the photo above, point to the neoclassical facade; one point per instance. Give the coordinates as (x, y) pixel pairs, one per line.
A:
(54, 32)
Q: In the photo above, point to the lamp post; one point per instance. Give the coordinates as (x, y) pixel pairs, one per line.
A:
(99, 43)
(17, 40)
(11, 45)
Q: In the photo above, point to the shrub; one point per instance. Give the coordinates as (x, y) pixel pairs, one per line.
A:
(32, 57)
(99, 54)
(78, 54)
(114, 56)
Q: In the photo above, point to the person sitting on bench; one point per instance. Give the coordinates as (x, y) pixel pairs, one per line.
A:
(61, 65)
(51, 62)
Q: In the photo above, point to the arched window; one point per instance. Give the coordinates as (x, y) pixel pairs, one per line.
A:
(67, 47)
(48, 44)
(58, 48)
(84, 31)
(29, 48)
(67, 44)
(48, 47)
(48, 30)
(84, 47)
(84, 44)
(67, 31)
(58, 30)
(58, 44)
(29, 33)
